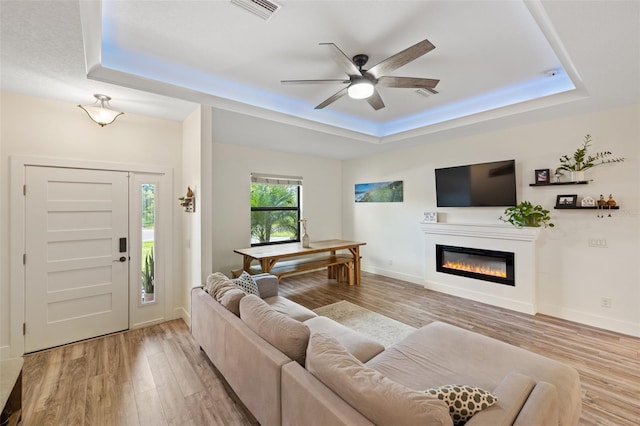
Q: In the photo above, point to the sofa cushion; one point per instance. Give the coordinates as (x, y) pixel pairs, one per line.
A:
(231, 300)
(246, 282)
(512, 393)
(432, 355)
(463, 401)
(376, 397)
(289, 308)
(358, 345)
(287, 335)
(224, 291)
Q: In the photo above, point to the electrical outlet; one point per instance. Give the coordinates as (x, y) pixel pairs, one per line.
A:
(606, 302)
(598, 242)
(390, 262)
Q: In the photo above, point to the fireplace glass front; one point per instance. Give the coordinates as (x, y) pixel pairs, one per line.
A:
(488, 265)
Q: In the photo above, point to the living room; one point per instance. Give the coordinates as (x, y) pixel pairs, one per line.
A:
(215, 150)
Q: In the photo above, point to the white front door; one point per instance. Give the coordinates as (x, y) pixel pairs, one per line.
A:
(77, 260)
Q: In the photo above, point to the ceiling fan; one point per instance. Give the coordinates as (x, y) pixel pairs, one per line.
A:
(362, 83)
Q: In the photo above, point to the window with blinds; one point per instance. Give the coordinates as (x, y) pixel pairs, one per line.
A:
(275, 209)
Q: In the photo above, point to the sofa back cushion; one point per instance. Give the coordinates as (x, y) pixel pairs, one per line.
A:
(381, 400)
(224, 291)
(286, 334)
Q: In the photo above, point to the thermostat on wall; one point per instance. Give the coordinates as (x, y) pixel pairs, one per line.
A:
(430, 217)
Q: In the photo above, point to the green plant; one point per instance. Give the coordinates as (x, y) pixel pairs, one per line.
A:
(526, 214)
(581, 160)
(148, 273)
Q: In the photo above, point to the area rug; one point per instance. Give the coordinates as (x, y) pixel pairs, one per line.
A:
(384, 330)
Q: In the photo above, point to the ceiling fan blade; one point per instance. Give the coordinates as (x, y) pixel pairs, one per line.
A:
(408, 82)
(343, 60)
(333, 98)
(315, 81)
(375, 100)
(401, 58)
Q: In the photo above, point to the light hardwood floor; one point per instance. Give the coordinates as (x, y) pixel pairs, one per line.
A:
(158, 375)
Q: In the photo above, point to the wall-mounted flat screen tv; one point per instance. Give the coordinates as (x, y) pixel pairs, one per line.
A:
(477, 185)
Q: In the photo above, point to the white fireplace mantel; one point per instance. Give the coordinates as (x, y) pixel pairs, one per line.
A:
(520, 241)
(501, 232)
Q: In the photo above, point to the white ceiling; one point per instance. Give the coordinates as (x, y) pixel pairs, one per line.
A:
(162, 58)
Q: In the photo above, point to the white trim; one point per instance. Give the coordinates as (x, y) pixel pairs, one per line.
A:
(599, 321)
(181, 312)
(17, 233)
(482, 230)
(5, 352)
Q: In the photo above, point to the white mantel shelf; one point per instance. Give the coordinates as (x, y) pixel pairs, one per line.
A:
(482, 230)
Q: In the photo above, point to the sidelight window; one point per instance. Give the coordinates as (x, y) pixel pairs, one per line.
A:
(147, 237)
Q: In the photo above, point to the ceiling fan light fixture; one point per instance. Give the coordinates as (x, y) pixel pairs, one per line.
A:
(101, 112)
(360, 89)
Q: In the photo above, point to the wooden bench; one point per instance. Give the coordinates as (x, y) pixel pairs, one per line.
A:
(339, 267)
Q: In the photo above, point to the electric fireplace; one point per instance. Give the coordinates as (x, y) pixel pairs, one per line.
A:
(488, 265)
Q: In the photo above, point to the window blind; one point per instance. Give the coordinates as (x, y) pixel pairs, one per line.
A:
(272, 179)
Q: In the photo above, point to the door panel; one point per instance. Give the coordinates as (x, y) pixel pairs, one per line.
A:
(76, 286)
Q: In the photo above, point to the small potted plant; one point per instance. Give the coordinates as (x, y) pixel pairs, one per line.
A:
(526, 214)
(581, 160)
(148, 285)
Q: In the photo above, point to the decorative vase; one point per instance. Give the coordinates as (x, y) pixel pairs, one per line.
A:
(305, 240)
(577, 176)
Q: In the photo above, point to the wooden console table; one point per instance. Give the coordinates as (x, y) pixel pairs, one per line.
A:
(270, 255)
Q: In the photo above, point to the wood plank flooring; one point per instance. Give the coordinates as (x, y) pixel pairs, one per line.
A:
(158, 375)
(151, 376)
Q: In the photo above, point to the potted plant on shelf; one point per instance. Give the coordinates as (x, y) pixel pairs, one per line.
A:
(581, 160)
(526, 214)
(148, 285)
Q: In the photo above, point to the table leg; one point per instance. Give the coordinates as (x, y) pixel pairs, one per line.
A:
(246, 263)
(355, 251)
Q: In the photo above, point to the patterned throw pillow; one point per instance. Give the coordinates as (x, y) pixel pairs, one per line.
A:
(463, 401)
(246, 282)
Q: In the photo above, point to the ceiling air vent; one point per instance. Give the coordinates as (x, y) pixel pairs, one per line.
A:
(262, 8)
(427, 92)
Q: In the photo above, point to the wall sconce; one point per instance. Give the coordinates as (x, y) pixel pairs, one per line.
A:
(188, 201)
(100, 111)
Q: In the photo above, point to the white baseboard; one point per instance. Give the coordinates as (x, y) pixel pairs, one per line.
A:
(395, 274)
(594, 320)
(147, 323)
(502, 302)
(182, 313)
(5, 352)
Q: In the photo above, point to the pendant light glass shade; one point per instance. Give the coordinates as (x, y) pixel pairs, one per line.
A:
(100, 112)
(360, 89)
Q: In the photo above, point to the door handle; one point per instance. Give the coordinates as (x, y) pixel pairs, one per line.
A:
(122, 259)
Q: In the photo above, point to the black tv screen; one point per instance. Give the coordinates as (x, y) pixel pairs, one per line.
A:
(477, 185)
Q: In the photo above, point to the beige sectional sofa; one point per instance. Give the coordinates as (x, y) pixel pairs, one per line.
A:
(348, 379)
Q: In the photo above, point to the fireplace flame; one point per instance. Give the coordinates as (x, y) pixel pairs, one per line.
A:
(467, 267)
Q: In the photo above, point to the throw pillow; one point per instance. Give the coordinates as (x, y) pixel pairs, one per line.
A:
(463, 401)
(231, 300)
(287, 335)
(224, 291)
(378, 398)
(247, 283)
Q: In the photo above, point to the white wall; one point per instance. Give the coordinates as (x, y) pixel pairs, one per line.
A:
(232, 166)
(45, 128)
(196, 174)
(572, 277)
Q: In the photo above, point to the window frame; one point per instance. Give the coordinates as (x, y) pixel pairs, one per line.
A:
(297, 209)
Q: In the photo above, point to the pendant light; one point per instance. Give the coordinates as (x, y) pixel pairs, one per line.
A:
(100, 111)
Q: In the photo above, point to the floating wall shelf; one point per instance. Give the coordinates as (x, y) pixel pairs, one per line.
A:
(586, 208)
(582, 182)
